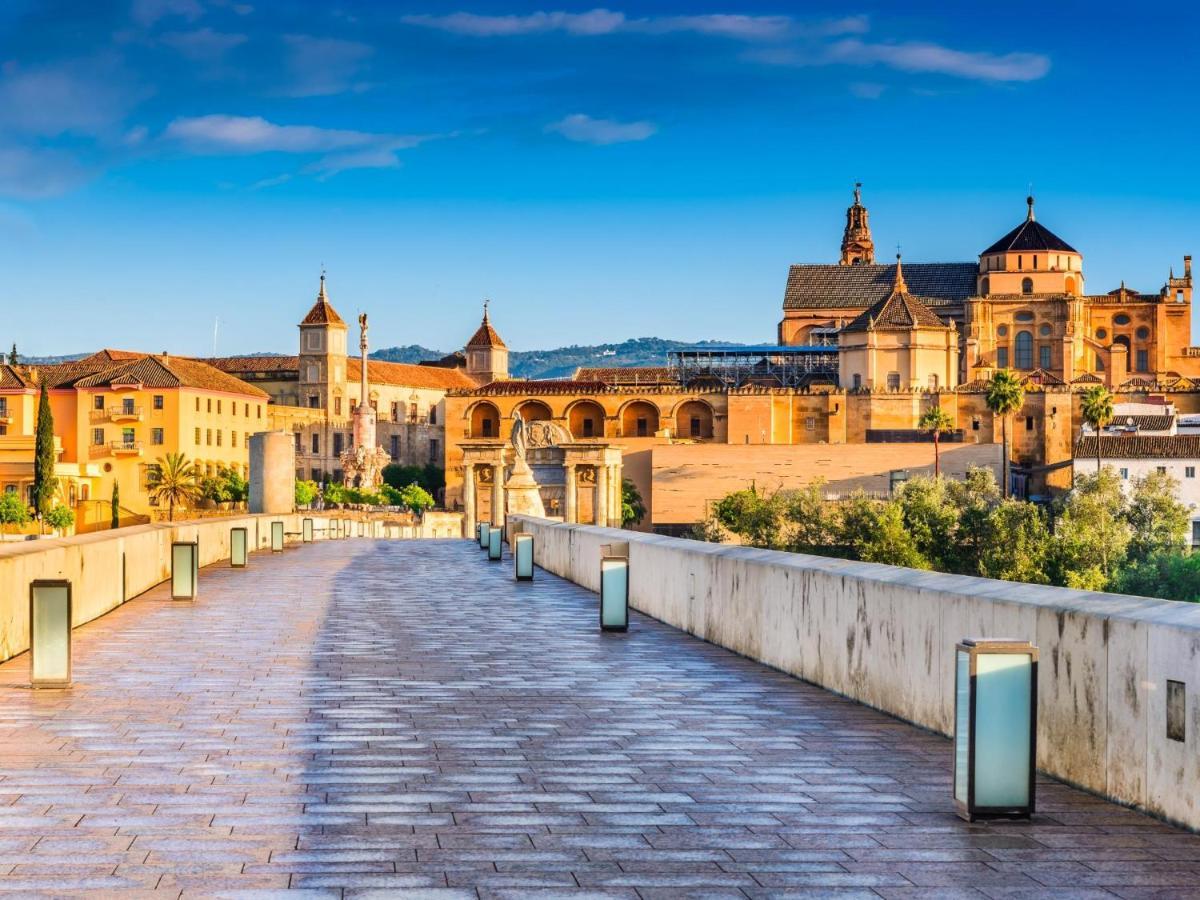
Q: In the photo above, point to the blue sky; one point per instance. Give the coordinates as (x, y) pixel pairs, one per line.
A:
(599, 172)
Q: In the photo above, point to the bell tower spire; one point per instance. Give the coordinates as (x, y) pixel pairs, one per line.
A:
(858, 249)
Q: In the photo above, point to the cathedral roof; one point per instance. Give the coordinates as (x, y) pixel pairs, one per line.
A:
(322, 312)
(899, 311)
(1030, 235)
(485, 335)
(832, 286)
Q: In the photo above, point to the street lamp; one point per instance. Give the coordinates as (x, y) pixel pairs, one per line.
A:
(50, 634)
(494, 545)
(276, 537)
(306, 531)
(185, 569)
(522, 549)
(995, 728)
(237, 548)
(484, 531)
(614, 593)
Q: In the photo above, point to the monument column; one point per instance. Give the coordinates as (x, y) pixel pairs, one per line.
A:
(614, 508)
(498, 495)
(570, 502)
(601, 495)
(468, 493)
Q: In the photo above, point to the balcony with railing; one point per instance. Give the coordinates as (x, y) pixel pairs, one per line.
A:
(125, 448)
(118, 414)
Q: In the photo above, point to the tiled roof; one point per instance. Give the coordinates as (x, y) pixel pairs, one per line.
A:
(169, 372)
(13, 377)
(626, 375)
(1145, 422)
(1042, 377)
(107, 356)
(899, 312)
(1087, 378)
(485, 336)
(548, 386)
(1140, 446)
(322, 312)
(1029, 235)
(255, 364)
(408, 375)
(830, 286)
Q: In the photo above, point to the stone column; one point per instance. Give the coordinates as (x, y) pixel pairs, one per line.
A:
(614, 509)
(602, 494)
(498, 495)
(468, 495)
(570, 503)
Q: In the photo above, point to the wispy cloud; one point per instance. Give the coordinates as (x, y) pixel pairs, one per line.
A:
(320, 67)
(935, 58)
(32, 174)
(79, 97)
(203, 44)
(597, 21)
(585, 129)
(339, 150)
(150, 12)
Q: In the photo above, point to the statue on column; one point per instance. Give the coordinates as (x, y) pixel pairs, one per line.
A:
(523, 495)
(363, 463)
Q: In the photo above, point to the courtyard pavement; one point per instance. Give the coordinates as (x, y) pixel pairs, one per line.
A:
(401, 719)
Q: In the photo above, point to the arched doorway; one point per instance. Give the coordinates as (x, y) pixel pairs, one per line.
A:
(694, 419)
(586, 419)
(535, 411)
(485, 420)
(639, 419)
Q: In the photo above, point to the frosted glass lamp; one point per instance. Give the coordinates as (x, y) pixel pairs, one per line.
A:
(484, 530)
(185, 569)
(306, 531)
(495, 545)
(995, 728)
(50, 634)
(522, 549)
(276, 537)
(237, 548)
(614, 593)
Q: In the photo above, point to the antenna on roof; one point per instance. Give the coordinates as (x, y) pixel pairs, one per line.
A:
(216, 327)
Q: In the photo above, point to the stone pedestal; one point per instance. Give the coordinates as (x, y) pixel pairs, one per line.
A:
(524, 498)
(272, 472)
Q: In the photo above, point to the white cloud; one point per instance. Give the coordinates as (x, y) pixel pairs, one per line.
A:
(597, 21)
(928, 57)
(585, 129)
(204, 44)
(81, 97)
(34, 174)
(320, 67)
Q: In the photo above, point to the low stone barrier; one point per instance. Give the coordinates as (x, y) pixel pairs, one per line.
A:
(885, 636)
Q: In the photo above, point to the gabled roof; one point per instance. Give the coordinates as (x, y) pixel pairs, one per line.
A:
(900, 311)
(1042, 377)
(407, 374)
(14, 377)
(169, 372)
(1140, 446)
(322, 312)
(1029, 235)
(833, 286)
(255, 364)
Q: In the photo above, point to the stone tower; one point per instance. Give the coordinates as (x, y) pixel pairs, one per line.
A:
(487, 355)
(322, 353)
(857, 247)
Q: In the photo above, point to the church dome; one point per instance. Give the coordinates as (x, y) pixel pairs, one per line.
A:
(1030, 235)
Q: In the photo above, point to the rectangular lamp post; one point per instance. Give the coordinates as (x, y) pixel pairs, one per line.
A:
(995, 728)
(237, 548)
(185, 569)
(614, 593)
(484, 530)
(494, 545)
(306, 531)
(276, 537)
(50, 634)
(522, 548)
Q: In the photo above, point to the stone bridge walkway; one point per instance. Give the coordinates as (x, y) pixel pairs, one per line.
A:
(403, 720)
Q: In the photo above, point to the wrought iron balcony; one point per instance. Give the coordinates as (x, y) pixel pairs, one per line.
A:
(125, 447)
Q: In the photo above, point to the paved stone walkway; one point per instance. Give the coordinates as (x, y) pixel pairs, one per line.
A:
(402, 719)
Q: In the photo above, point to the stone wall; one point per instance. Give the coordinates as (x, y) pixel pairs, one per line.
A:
(885, 636)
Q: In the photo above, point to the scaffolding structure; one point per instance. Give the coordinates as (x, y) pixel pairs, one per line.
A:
(769, 365)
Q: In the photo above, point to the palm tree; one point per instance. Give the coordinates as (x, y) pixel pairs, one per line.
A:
(173, 480)
(936, 421)
(1097, 409)
(1005, 394)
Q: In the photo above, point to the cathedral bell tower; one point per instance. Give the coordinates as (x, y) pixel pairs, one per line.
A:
(857, 247)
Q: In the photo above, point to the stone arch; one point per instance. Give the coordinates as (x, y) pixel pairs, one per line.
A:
(485, 420)
(639, 418)
(1070, 285)
(585, 419)
(694, 419)
(535, 411)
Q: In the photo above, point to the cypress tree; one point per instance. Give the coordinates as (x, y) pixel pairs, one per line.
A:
(12, 357)
(116, 506)
(44, 481)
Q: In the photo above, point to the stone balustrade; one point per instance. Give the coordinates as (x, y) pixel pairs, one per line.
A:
(885, 636)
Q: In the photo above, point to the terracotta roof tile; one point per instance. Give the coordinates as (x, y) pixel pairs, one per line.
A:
(255, 364)
(169, 372)
(408, 375)
(828, 286)
(322, 312)
(626, 375)
(548, 386)
(1140, 446)
(485, 336)
(899, 312)
(13, 377)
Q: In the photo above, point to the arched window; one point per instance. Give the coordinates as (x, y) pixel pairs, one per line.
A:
(1024, 350)
(1026, 285)
(1070, 285)
(984, 287)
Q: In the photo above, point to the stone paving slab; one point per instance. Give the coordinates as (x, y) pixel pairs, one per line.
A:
(401, 719)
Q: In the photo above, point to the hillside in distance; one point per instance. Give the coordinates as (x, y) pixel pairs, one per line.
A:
(563, 361)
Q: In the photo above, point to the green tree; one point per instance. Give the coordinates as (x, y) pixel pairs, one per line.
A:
(44, 482)
(709, 531)
(1091, 533)
(116, 505)
(937, 422)
(306, 493)
(874, 531)
(237, 486)
(755, 518)
(60, 517)
(1158, 520)
(813, 522)
(13, 510)
(1097, 410)
(1005, 394)
(432, 478)
(416, 498)
(173, 481)
(12, 355)
(1171, 576)
(931, 518)
(633, 510)
(973, 497)
(1018, 543)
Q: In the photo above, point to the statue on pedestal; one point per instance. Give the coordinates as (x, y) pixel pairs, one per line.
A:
(363, 463)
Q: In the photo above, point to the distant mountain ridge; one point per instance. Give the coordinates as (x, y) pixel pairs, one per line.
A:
(562, 362)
